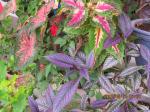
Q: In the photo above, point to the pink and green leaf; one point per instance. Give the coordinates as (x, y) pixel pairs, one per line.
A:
(103, 22)
(99, 36)
(77, 17)
(101, 7)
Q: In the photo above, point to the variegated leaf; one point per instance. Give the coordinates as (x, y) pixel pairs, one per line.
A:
(73, 3)
(110, 62)
(65, 95)
(101, 7)
(77, 17)
(99, 36)
(103, 22)
(130, 70)
(106, 85)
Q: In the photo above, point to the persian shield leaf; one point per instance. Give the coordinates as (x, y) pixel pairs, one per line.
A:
(33, 105)
(61, 60)
(125, 25)
(112, 41)
(145, 52)
(100, 103)
(130, 70)
(106, 85)
(109, 62)
(90, 60)
(65, 94)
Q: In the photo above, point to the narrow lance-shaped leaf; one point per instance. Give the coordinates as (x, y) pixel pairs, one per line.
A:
(106, 85)
(90, 60)
(61, 60)
(110, 62)
(49, 95)
(145, 52)
(98, 37)
(101, 7)
(65, 95)
(46, 101)
(112, 41)
(100, 103)
(84, 73)
(77, 17)
(125, 25)
(130, 70)
(33, 105)
(103, 22)
(70, 3)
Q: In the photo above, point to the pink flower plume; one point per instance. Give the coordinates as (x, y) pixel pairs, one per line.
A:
(26, 46)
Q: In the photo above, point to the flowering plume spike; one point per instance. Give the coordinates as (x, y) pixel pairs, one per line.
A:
(26, 46)
(42, 14)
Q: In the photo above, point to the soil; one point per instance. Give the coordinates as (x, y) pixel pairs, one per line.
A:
(145, 27)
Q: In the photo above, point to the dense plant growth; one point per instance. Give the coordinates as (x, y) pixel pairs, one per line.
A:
(72, 56)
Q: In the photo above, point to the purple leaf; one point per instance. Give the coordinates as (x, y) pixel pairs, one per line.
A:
(81, 56)
(84, 73)
(145, 52)
(111, 42)
(130, 70)
(33, 105)
(100, 103)
(148, 76)
(76, 110)
(109, 62)
(125, 25)
(49, 95)
(61, 60)
(45, 102)
(90, 60)
(65, 95)
(120, 89)
(106, 85)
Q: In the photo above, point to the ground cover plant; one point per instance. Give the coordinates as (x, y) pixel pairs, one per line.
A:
(72, 56)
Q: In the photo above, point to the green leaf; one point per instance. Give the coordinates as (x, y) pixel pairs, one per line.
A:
(3, 70)
(60, 41)
(47, 71)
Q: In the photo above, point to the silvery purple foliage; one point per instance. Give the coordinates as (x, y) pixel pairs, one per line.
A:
(65, 95)
(125, 25)
(112, 41)
(51, 103)
(33, 105)
(100, 103)
(78, 63)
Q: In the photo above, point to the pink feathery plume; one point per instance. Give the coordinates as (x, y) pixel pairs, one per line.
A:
(26, 46)
(42, 14)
